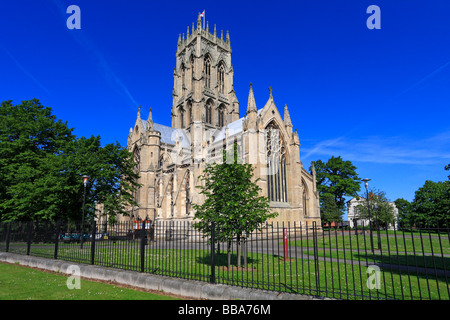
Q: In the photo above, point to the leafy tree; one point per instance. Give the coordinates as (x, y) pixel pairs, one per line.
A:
(41, 163)
(338, 179)
(31, 143)
(381, 210)
(447, 167)
(232, 203)
(431, 205)
(329, 210)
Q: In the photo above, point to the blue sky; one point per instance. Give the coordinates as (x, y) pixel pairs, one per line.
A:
(379, 98)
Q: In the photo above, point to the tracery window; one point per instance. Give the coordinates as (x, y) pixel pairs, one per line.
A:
(276, 165)
(305, 202)
(192, 72)
(181, 118)
(221, 114)
(208, 112)
(188, 113)
(221, 78)
(183, 76)
(207, 71)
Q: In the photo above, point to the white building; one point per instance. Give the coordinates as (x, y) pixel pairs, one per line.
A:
(353, 214)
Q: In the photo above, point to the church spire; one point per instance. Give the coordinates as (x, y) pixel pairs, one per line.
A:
(287, 117)
(150, 121)
(251, 104)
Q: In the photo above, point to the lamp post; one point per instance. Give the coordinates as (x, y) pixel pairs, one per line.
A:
(85, 180)
(366, 184)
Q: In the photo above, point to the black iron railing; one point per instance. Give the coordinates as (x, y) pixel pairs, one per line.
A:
(408, 264)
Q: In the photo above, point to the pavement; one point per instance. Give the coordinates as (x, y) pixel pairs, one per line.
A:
(180, 287)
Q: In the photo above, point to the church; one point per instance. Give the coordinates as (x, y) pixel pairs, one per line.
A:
(205, 121)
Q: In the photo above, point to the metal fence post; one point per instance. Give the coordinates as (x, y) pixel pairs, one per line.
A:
(58, 230)
(143, 240)
(29, 236)
(8, 236)
(213, 263)
(94, 229)
(316, 257)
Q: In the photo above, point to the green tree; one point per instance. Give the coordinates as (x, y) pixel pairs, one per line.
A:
(337, 179)
(381, 210)
(31, 143)
(329, 210)
(232, 203)
(41, 163)
(112, 177)
(431, 205)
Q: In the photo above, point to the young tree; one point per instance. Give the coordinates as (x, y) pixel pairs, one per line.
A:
(336, 178)
(232, 203)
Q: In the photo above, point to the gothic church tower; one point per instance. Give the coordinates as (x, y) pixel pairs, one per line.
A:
(203, 80)
(205, 120)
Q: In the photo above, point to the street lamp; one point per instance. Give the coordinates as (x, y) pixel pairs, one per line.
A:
(85, 180)
(366, 184)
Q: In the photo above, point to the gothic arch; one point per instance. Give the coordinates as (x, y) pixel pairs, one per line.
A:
(276, 164)
(183, 75)
(209, 109)
(221, 115)
(192, 71)
(221, 76)
(305, 198)
(188, 112)
(207, 68)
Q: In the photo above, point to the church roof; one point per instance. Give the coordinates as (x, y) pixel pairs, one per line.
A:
(233, 128)
(169, 134)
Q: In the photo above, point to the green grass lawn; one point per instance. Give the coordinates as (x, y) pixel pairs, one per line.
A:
(300, 274)
(22, 283)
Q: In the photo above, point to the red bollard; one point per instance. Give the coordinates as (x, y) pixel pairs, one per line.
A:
(286, 249)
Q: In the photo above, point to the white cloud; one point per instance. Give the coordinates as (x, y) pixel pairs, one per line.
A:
(387, 150)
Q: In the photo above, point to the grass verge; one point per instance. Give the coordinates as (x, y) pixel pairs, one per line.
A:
(23, 283)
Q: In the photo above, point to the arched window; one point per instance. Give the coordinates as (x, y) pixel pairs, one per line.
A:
(221, 77)
(276, 165)
(191, 62)
(221, 116)
(183, 76)
(305, 201)
(181, 118)
(188, 113)
(207, 71)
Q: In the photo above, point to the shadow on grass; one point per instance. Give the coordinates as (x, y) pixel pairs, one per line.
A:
(221, 259)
